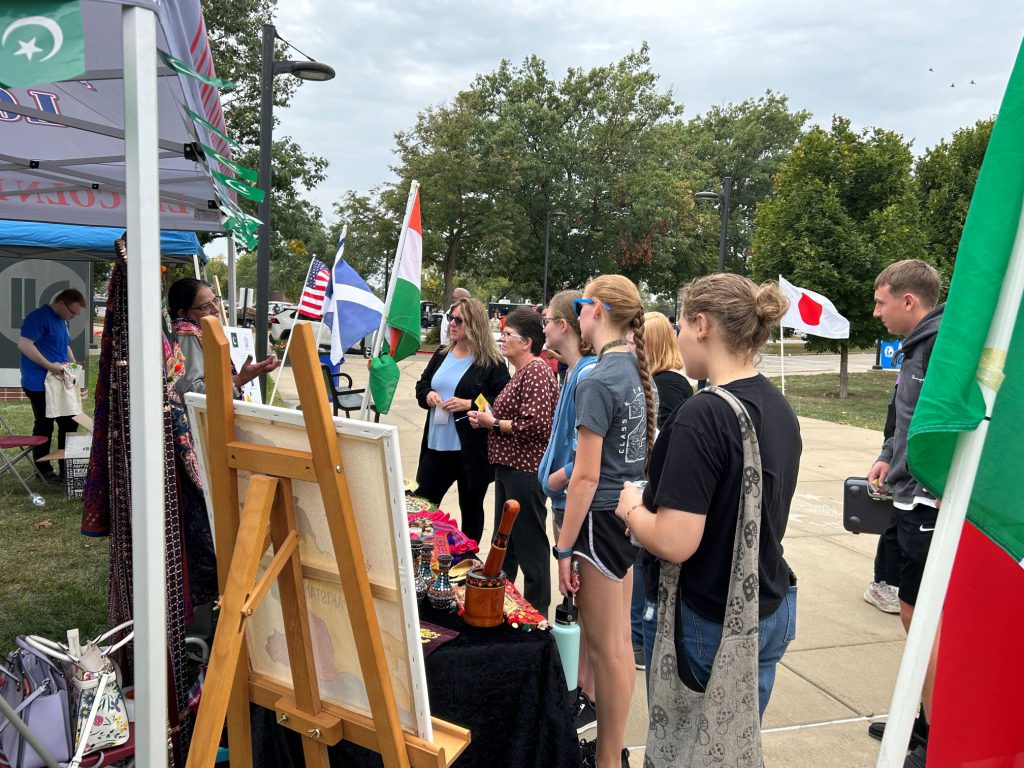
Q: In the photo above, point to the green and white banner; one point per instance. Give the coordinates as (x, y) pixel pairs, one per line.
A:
(41, 41)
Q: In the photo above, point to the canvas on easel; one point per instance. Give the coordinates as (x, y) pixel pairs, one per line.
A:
(318, 610)
(372, 464)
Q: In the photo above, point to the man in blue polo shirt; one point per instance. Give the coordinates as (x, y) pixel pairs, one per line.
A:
(45, 346)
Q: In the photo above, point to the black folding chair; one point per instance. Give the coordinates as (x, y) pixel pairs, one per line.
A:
(344, 398)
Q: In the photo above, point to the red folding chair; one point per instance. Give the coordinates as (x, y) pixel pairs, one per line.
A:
(20, 447)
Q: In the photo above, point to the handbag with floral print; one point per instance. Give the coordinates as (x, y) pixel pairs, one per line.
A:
(98, 710)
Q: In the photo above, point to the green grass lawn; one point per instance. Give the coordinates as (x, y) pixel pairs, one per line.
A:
(54, 579)
(796, 347)
(817, 397)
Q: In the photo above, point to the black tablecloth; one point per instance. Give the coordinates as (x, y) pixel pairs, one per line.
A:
(503, 684)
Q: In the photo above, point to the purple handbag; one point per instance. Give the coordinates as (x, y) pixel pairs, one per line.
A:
(38, 692)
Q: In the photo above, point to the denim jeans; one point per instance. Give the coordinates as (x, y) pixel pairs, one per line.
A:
(701, 638)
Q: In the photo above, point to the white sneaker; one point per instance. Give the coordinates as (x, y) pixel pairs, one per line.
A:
(883, 597)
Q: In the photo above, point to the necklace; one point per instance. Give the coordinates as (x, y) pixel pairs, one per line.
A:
(610, 345)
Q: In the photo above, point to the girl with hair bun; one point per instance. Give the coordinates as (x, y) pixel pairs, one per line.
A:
(689, 510)
(615, 431)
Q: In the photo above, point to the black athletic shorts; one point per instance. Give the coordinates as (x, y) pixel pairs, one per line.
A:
(604, 544)
(914, 530)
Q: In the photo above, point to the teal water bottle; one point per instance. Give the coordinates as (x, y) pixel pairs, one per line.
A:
(567, 638)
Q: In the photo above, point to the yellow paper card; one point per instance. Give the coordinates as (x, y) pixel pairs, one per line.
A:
(481, 403)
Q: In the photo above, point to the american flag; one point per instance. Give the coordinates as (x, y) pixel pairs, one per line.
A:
(312, 300)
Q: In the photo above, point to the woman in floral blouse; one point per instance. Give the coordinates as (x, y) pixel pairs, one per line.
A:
(520, 421)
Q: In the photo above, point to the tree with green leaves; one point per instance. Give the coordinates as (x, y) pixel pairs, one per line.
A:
(944, 180)
(747, 142)
(603, 147)
(234, 28)
(844, 208)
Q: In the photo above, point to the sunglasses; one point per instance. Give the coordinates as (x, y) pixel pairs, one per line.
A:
(577, 305)
(455, 319)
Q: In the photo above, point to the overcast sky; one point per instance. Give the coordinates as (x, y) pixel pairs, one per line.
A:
(868, 60)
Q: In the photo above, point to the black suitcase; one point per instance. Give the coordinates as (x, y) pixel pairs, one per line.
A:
(863, 511)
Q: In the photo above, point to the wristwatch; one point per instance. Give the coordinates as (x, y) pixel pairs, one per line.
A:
(496, 426)
(560, 554)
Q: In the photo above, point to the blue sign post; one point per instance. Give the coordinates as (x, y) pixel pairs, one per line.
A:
(892, 354)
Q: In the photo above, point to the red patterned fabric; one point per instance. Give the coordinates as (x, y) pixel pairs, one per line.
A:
(528, 401)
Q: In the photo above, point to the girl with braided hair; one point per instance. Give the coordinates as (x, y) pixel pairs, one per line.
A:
(615, 430)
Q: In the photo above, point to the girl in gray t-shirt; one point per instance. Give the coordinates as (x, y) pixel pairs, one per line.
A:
(615, 418)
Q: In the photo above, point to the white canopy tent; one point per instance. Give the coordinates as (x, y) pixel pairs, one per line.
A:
(116, 146)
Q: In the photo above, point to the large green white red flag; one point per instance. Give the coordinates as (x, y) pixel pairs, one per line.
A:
(401, 310)
(964, 445)
(404, 312)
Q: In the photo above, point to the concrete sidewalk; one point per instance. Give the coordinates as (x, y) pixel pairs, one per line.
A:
(842, 667)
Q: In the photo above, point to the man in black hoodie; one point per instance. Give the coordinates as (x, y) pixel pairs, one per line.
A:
(906, 295)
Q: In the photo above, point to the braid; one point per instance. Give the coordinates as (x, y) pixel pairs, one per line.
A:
(645, 377)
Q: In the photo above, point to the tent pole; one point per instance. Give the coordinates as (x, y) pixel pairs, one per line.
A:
(232, 286)
(147, 381)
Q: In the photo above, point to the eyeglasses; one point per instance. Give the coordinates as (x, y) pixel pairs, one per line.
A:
(455, 319)
(210, 306)
(509, 334)
(577, 305)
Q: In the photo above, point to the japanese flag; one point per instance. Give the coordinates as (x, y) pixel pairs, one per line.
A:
(812, 313)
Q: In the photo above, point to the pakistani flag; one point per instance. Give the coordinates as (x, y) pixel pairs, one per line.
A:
(404, 310)
(40, 42)
(970, 362)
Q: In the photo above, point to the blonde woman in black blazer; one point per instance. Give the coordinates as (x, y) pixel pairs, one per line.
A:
(463, 461)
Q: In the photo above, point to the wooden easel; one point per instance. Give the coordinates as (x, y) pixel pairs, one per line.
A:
(268, 518)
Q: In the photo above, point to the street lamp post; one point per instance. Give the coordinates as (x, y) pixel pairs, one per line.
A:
(269, 69)
(547, 247)
(723, 200)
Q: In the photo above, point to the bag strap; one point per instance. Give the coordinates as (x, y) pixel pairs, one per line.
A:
(46, 647)
(110, 633)
(83, 737)
(742, 599)
(39, 691)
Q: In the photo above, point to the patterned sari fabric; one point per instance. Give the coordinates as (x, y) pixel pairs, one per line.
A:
(200, 557)
(107, 504)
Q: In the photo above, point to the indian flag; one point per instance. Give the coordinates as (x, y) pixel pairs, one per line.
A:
(965, 445)
(404, 313)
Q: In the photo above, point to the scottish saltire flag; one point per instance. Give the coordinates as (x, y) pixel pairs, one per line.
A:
(311, 301)
(350, 308)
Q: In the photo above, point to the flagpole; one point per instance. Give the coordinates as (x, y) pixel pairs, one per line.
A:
(379, 340)
(288, 343)
(782, 355)
(329, 298)
(950, 522)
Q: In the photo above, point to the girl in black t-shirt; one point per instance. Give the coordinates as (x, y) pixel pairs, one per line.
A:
(688, 512)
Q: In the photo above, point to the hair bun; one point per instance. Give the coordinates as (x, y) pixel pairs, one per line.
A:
(770, 303)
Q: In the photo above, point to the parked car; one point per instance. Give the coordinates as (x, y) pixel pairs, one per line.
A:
(282, 323)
